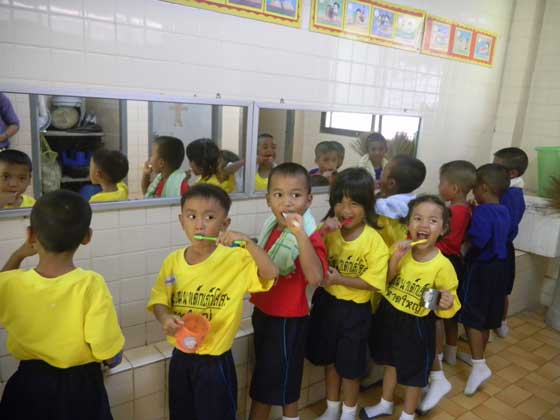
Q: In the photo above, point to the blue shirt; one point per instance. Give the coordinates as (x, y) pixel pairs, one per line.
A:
(515, 202)
(488, 233)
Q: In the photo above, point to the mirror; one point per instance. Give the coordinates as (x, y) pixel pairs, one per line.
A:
(61, 133)
(327, 142)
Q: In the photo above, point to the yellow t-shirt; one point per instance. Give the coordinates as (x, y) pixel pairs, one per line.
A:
(65, 321)
(364, 257)
(120, 195)
(414, 277)
(214, 288)
(261, 184)
(26, 201)
(228, 185)
(391, 230)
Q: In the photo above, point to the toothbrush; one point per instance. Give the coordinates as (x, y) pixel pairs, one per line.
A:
(419, 242)
(212, 238)
(324, 230)
(296, 224)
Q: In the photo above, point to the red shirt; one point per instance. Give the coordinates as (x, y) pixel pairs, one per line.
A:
(159, 188)
(460, 220)
(287, 297)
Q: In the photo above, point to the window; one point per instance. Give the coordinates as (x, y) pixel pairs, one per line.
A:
(349, 124)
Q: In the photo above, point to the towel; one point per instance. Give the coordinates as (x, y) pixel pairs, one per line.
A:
(285, 250)
(395, 206)
(172, 187)
(516, 183)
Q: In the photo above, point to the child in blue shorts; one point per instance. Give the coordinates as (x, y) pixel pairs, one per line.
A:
(484, 290)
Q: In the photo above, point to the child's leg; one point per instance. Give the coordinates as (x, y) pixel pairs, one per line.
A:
(439, 385)
(333, 382)
(385, 406)
(478, 339)
(451, 336)
(411, 397)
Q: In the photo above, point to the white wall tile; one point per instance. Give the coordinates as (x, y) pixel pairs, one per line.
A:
(132, 265)
(133, 313)
(3, 339)
(135, 336)
(148, 379)
(119, 388)
(123, 411)
(8, 366)
(67, 32)
(149, 407)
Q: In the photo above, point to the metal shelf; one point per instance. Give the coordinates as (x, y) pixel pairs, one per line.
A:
(54, 133)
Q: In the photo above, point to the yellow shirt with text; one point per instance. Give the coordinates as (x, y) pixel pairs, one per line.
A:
(391, 230)
(26, 201)
(214, 288)
(364, 257)
(228, 185)
(261, 184)
(120, 195)
(415, 277)
(65, 321)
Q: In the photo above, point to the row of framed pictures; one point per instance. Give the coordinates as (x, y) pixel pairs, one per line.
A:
(370, 21)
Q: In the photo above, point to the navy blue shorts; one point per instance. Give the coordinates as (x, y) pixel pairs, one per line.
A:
(202, 387)
(404, 341)
(482, 294)
(510, 261)
(338, 334)
(38, 390)
(279, 354)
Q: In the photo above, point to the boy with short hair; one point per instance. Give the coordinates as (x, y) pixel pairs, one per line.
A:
(108, 168)
(60, 319)
(280, 316)
(341, 153)
(483, 291)
(266, 155)
(515, 161)
(374, 161)
(209, 278)
(326, 158)
(401, 176)
(165, 162)
(15, 177)
(456, 180)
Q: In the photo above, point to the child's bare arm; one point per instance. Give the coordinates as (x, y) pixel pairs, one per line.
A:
(15, 260)
(446, 300)
(401, 248)
(334, 277)
(146, 174)
(233, 167)
(170, 323)
(267, 268)
(310, 261)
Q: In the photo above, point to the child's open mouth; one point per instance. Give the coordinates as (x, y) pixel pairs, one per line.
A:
(422, 235)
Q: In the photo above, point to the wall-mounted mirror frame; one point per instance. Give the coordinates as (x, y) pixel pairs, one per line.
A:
(286, 106)
(125, 95)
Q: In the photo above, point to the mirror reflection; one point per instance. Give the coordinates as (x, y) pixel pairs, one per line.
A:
(116, 149)
(327, 142)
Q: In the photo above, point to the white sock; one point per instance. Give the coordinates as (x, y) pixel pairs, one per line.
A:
(332, 412)
(450, 354)
(440, 357)
(406, 416)
(479, 374)
(503, 330)
(465, 357)
(348, 413)
(382, 408)
(439, 387)
(290, 418)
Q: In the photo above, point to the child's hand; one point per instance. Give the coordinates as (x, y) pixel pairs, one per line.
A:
(147, 170)
(445, 300)
(330, 225)
(400, 249)
(115, 361)
(332, 276)
(294, 222)
(171, 324)
(8, 199)
(25, 250)
(228, 237)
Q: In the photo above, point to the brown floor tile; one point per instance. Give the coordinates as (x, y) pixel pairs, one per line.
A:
(452, 407)
(512, 373)
(487, 414)
(497, 362)
(469, 416)
(518, 360)
(554, 413)
(470, 402)
(513, 395)
(547, 351)
(548, 393)
(550, 371)
(530, 344)
(502, 408)
(534, 407)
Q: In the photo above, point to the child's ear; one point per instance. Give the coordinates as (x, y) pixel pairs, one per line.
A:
(226, 223)
(31, 236)
(514, 173)
(87, 237)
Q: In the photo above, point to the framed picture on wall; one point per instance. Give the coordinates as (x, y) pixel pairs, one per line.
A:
(329, 13)
(408, 29)
(357, 17)
(383, 22)
(282, 7)
(250, 4)
(456, 41)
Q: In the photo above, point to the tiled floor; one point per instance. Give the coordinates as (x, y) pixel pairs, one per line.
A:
(525, 384)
